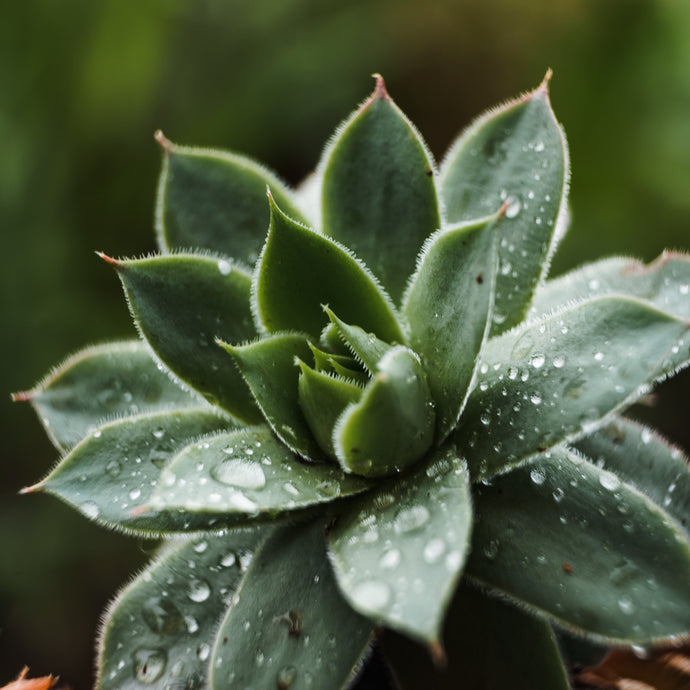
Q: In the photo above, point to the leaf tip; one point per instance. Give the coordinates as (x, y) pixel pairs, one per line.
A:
(22, 396)
(33, 488)
(543, 88)
(163, 141)
(438, 654)
(380, 91)
(117, 265)
(139, 511)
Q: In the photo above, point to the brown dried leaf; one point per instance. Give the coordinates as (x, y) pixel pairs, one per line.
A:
(24, 683)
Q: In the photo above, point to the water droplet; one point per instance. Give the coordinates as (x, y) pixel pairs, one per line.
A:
(113, 468)
(240, 473)
(373, 595)
(259, 658)
(203, 651)
(286, 677)
(162, 616)
(537, 361)
(134, 494)
(390, 559)
(229, 559)
(224, 267)
(199, 590)
(514, 207)
(328, 488)
(537, 477)
(491, 549)
(410, 519)
(512, 373)
(684, 289)
(485, 418)
(558, 361)
(598, 356)
(291, 488)
(646, 436)
(90, 509)
(149, 664)
(192, 624)
(434, 550)
(97, 433)
(609, 480)
(535, 398)
(558, 495)
(539, 146)
(626, 605)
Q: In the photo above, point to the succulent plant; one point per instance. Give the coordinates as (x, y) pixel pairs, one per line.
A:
(361, 405)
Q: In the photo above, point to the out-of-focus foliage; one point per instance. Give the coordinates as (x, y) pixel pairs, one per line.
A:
(83, 85)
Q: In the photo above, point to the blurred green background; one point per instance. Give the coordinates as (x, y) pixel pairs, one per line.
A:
(83, 85)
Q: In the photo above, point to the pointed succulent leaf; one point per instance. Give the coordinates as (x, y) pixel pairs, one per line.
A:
(517, 153)
(323, 361)
(181, 304)
(398, 551)
(100, 383)
(269, 369)
(322, 398)
(299, 270)
(398, 400)
(378, 190)
(448, 309)
(497, 650)
(573, 542)
(557, 378)
(160, 629)
(642, 458)
(665, 282)
(301, 633)
(242, 478)
(113, 471)
(215, 200)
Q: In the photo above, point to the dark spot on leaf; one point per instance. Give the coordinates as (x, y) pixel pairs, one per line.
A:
(567, 568)
(293, 620)
(429, 172)
(480, 279)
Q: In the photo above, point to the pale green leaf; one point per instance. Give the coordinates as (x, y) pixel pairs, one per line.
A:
(515, 153)
(398, 551)
(575, 543)
(160, 629)
(289, 626)
(378, 191)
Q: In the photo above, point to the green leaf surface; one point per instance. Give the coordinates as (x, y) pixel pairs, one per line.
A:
(181, 304)
(269, 369)
(396, 400)
(575, 543)
(245, 477)
(489, 644)
(378, 190)
(642, 458)
(160, 630)
(398, 551)
(113, 471)
(448, 308)
(300, 270)
(289, 626)
(323, 398)
(100, 383)
(518, 153)
(664, 282)
(559, 377)
(215, 200)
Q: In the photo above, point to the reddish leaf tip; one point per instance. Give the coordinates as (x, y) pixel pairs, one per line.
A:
(163, 141)
(22, 396)
(438, 654)
(109, 260)
(139, 511)
(543, 88)
(380, 90)
(32, 489)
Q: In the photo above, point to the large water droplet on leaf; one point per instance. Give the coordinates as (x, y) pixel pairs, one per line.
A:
(410, 519)
(239, 473)
(374, 595)
(162, 616)
(199, 590)
(149, 664)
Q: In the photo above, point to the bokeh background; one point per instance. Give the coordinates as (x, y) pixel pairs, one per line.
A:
(83, 85)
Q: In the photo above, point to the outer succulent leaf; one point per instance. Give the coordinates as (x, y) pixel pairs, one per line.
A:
(397, 400)
(160, 629)
(664, 282)
(640, 457)
(378, 190)
(560, 377)
(245, 477)
(113, 471)
(299, 270)
(448, 308)
(515, 152)
(269, 369)
(503, 647)
(181, 303)
(289, 625)
(573, 542)
(215, 200)
(99, 383)
(323, 398)
(398, 551)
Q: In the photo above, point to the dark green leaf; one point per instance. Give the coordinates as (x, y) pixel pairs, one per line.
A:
(113, 472)
(518, 153)
(245, 477)
(215, 200)
(398, 551)
(268, 366)
(100, 383)
(300, 270)
(557, 378)
(160, 629)
(577, 544)
(289, 625)
(181, 304)
(396, 400)
(378, 192)
(448, 308)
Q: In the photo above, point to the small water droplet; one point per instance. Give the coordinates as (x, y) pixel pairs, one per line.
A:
(328, 488)
(485, 418)
(97, 433)
(539, 146)
(646, 436)
(609, 480)
(491, 549)
(134, 494)
(291, 488)
(224, 267)
(192, 624)
(514, 207)
(684, 289)
(149, 664)
(535, 398)
(240, 473)
(558, 361)
(373, 595)
(537, 477)
(113, 468)
(558, 495)
(410, 519)
(390, 559)
(90, 509)
(201, 546)
(158, 433)
(199, 590)
(512, 373)
(286, 677)
(229, 559)
(626, 605)
(434, 549)
(162, 616)
(598, 356)
(203, 651)
(537, 361)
